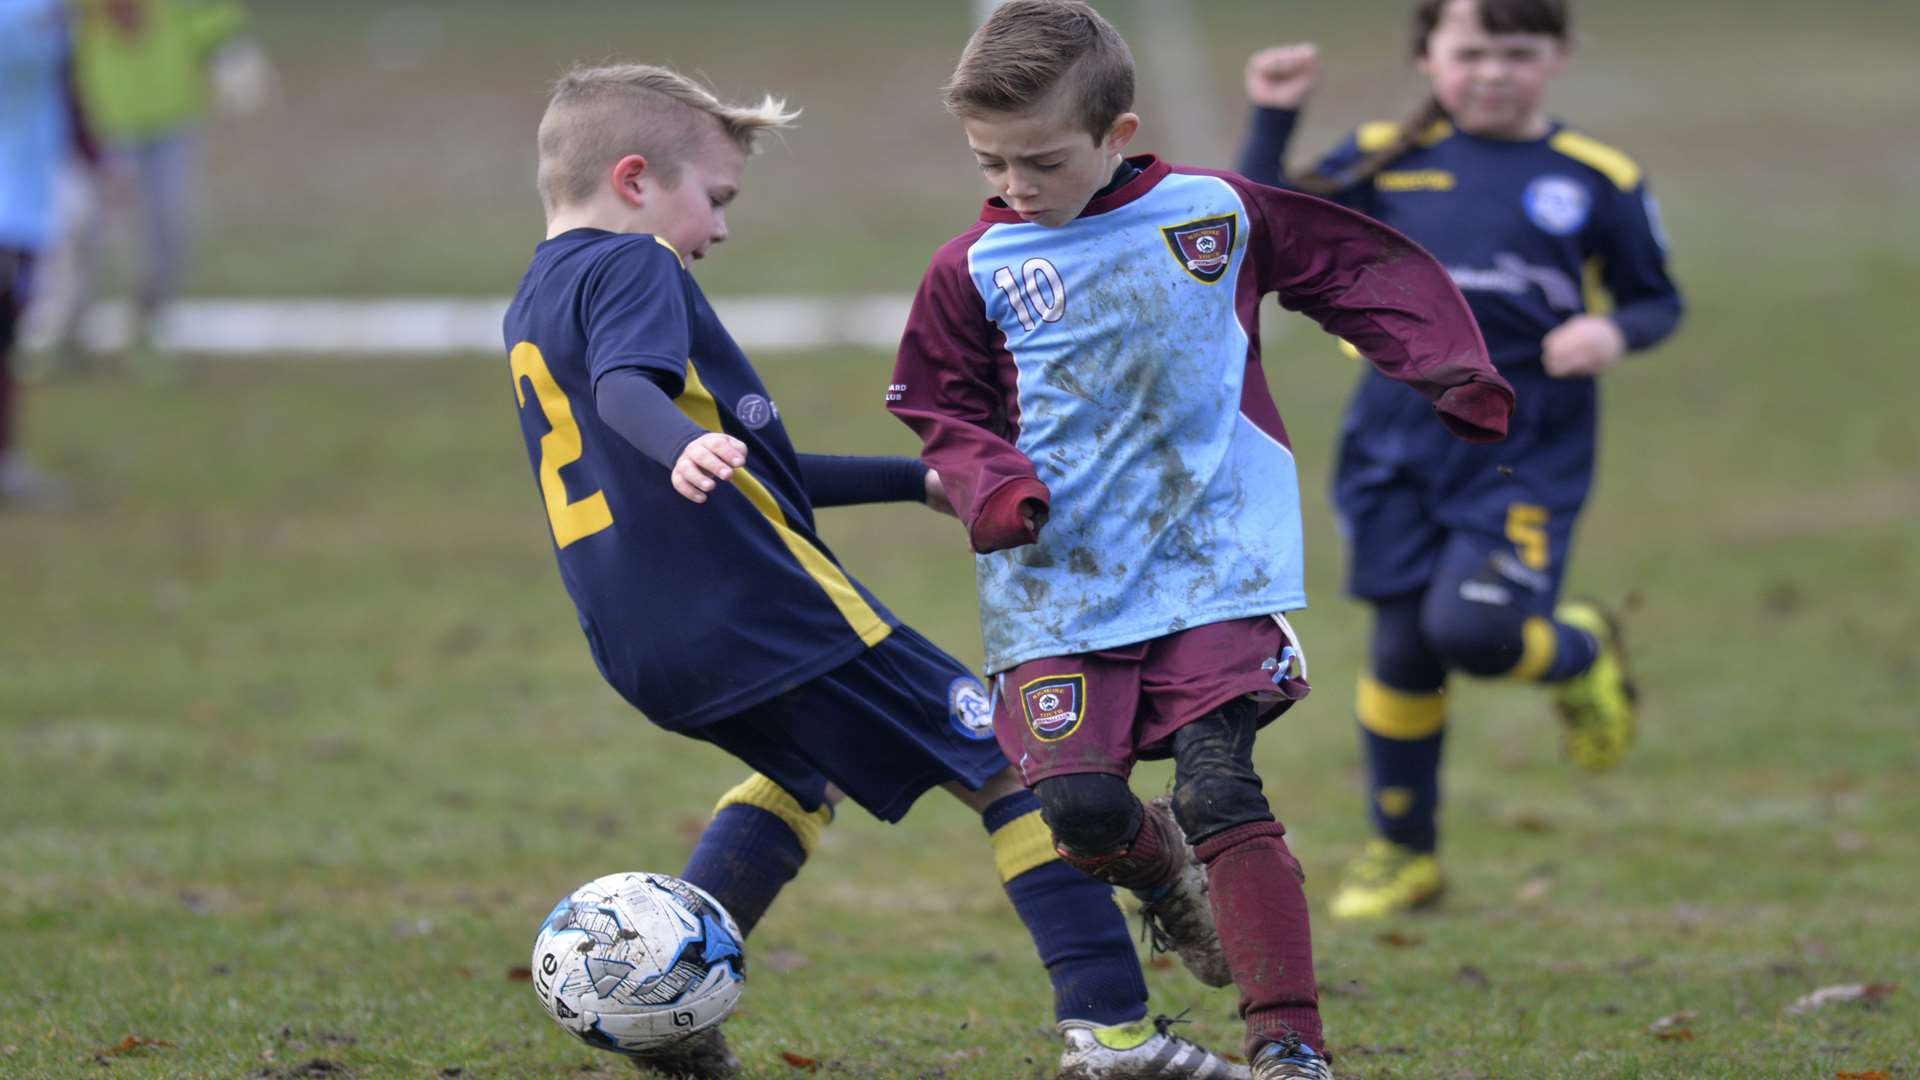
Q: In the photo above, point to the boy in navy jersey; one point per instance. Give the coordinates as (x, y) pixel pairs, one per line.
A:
(682, 518)
(1083, 367)
(1461, 550)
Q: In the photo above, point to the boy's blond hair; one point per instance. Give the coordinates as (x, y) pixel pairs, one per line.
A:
(1028, 49)
(597, 115)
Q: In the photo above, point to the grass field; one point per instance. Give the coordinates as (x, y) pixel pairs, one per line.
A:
(299, 740)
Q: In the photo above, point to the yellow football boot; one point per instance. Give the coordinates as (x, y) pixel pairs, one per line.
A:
(1386, 879)
(1596, 706)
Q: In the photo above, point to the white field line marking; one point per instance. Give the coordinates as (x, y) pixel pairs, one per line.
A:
(426, 326)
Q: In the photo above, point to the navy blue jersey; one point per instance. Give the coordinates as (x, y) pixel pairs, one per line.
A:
(693, 612)
(1533, 231)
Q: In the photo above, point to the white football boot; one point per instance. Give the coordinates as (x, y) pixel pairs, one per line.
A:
(1181, 917)
(1142, 1050)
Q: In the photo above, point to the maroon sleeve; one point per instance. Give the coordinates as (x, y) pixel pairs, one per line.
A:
(1383, 293)
(952, 384)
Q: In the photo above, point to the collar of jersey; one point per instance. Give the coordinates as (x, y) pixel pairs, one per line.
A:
(1152, 169)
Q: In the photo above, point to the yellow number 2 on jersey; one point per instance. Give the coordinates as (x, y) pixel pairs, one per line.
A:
(559, 447)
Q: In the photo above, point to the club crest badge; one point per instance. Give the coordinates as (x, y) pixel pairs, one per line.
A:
(1054, 705)
(969, 708)
(755, 411)
(1204, 248)
(1557, 204)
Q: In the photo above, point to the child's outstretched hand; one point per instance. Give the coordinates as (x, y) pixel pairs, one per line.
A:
(1583, 346)
(1281, 77)
(707, 460)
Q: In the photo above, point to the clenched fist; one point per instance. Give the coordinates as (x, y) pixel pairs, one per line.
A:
(1281, 77)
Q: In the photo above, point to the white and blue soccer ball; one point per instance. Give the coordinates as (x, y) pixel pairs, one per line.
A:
(636, 962)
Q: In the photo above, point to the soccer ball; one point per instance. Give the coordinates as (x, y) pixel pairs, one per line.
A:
(636, 962)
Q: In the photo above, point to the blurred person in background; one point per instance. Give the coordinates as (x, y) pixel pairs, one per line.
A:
(147, 72)
(40, 126)
(1460, 550)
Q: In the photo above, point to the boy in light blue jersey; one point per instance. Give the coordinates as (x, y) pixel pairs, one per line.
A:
(1083, 368)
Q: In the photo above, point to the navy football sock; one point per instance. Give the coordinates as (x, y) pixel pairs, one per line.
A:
(1401, 734)
(757, 841)
(1403, 781)
(1077, 928)
(1574, 652)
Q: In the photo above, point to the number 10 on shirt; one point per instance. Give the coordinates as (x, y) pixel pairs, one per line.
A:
(1042, 286)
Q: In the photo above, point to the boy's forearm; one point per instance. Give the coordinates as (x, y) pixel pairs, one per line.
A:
(1396, 304)
(1646, 323)
(1263, 157)
(837, 480)
(983, 473)
(643, 414)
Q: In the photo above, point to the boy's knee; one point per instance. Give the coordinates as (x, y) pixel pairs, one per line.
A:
(1090, 814)
(1476, 623)
(1215, 785)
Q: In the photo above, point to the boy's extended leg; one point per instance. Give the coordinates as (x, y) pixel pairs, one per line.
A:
(1491, 611)
(1255, 882)
(757, 841)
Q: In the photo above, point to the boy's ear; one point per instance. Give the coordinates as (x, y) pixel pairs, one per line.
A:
(1125, 127)
(629, 177)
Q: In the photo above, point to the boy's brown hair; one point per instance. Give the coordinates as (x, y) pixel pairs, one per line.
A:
(597, 115)
(1030, 50)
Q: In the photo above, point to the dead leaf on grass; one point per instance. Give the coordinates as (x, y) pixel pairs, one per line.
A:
(1533, 890)
(1673, 1027)
(1468, 975)
(799, 1061)
(1398, 940)
(135, 1042)
(1528, 821)
(1870, 1074)
(520, 974)
(1160, 962)
(1842, 994)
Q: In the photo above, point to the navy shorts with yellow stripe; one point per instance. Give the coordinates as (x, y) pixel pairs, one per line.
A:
(884, 727)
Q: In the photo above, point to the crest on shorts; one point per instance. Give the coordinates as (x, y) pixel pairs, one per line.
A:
(1205, 247)
(1054, 705)
(969, 708)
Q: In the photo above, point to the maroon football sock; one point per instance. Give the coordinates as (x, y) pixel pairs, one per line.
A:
(1261, 912)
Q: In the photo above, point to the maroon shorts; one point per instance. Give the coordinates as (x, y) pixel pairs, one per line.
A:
(1100, 712)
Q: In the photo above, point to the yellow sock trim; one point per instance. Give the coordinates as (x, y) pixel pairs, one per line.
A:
(1396, 714)
(1538, 645)
(758, 791)
(1022, 845)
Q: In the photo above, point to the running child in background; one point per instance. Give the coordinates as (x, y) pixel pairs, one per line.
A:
(1083, 368)
(682, 519)
(1461, 550)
